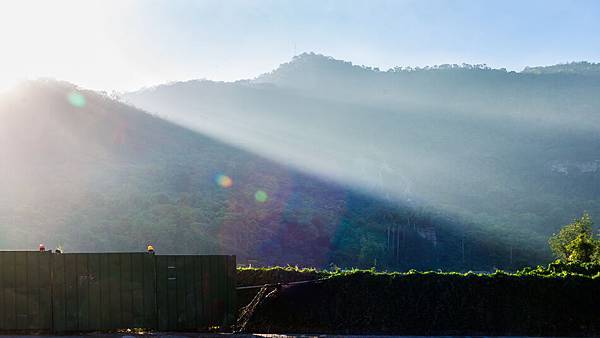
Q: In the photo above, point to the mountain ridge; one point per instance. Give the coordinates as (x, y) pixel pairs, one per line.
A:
(117, 178)
(315, 59)
(481, 143)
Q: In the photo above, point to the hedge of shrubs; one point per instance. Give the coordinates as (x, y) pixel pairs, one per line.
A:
(272, 275)
(559, 268)
(543, 301)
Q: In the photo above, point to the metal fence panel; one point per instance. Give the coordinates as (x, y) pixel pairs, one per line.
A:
(82, 292)
(25, 291)
(194, 292)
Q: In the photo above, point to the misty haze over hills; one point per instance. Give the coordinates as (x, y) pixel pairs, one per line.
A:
(84, 171)
(401, 168)
(516, 152)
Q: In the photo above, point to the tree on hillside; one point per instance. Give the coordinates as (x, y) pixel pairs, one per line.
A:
(575, 242)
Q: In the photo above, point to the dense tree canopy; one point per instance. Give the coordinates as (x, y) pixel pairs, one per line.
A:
(576, 242)
(450, 167)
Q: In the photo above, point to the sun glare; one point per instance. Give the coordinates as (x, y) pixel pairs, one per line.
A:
(224, 181)
(62, 39)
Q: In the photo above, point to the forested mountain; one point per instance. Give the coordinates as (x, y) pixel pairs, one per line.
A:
(84, 171)
(319, 162)
(513, 154)
(581, 68)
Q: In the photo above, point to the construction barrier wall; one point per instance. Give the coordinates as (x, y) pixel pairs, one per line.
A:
(79, 292)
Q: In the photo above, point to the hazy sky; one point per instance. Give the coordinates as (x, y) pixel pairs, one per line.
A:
(127, 44)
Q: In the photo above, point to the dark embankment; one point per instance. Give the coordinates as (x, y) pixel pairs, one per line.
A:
(261, 276)
(534, 303)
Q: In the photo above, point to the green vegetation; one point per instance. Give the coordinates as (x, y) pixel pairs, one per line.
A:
(526, 302)
(580, 68)
(273, 275)
(562, 269)
(576, 242)
(258, 276)
(488, 168)
(113, 178)
(560, 299)
(500, 159)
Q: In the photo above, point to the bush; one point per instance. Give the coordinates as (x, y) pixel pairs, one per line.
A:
(272, 275)
(544, 301)
(559, 268)
(575, 242)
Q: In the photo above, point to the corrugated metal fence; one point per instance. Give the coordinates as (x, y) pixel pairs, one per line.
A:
(106, 291)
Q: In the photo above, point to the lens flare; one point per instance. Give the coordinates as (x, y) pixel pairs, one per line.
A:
(261, 196)
(76, 99)
(224, 181)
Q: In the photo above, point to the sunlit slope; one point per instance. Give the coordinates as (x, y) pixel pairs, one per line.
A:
(516, 153)
(81, 170)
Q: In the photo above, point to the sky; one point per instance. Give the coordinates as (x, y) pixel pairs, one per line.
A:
(128, 44)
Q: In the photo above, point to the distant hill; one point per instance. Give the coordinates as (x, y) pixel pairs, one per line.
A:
(516, 154)
(580, 68)
(84, 171)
